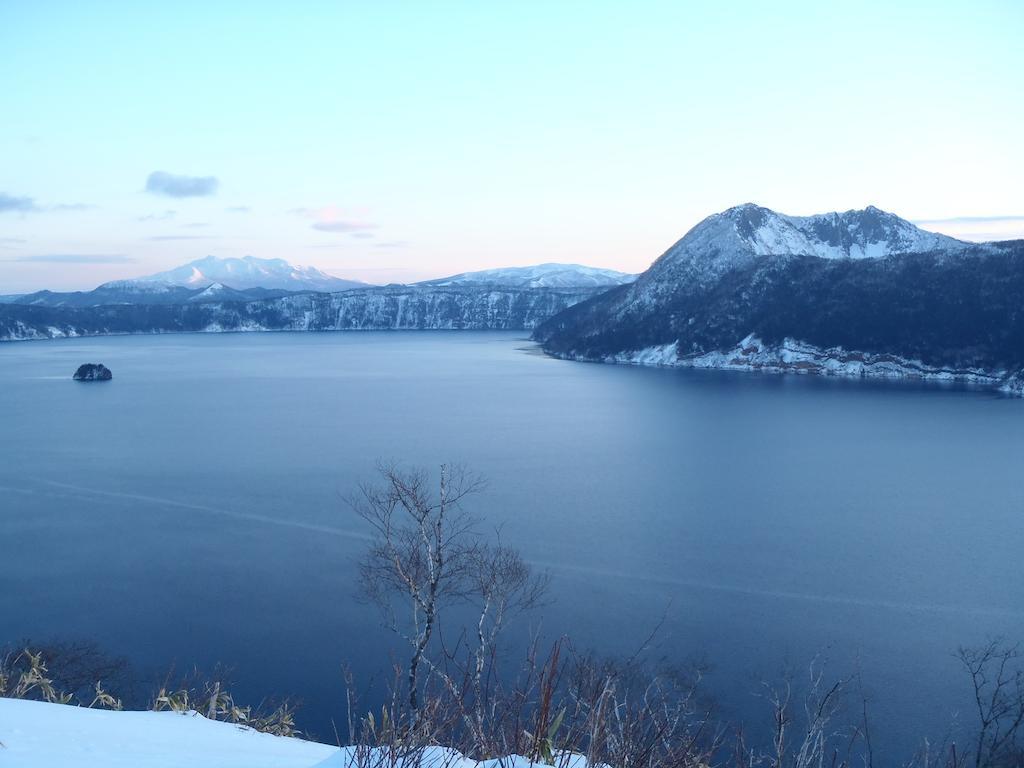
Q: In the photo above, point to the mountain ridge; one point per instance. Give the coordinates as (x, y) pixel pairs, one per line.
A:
(190, 283)
(546, 275)
(395, 307)
(249, 272)
(851, 285)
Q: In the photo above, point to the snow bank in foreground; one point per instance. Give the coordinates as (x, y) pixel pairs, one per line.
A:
(38, 735)
(56, 736)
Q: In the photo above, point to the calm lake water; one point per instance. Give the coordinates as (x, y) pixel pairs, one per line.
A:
(191, 510)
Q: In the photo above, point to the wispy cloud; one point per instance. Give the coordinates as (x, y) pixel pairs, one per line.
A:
(71, 207)
(162, 216)
(174, 185)
(7, 242)
(391, 244)
(968, 219)
(362, 235)
(342, 226)
(977, 228)
(333, 219)
(26, 204)
(17, 203)
(159, 238)
(77, 258)
(238, 209)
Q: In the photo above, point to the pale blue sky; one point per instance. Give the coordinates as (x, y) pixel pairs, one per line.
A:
(403, 140)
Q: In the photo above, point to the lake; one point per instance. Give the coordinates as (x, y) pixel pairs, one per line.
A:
(191, 510)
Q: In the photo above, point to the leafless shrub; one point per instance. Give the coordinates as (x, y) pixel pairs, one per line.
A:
(211, 698)
(396, 735)
(624, 713)
(997, 680)
(808, 731)
(25, 676)
(73, 667)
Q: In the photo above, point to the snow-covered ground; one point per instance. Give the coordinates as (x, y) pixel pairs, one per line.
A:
(38, 735)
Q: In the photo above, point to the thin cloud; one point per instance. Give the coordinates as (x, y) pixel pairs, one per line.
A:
(26, 204)
(6, 242)
(342, 226)
(968, 219)
(332, 219)
(992, 236)
(71, 207)
(238, 209)
(977, 228)
(17, 203)
(362, 235)
(164, 216)
(77, 258)
(174, 185)
(392, 244)
(159, 238)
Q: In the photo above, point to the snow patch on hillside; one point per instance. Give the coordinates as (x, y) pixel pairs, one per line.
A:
(665, 354)
(794, 356)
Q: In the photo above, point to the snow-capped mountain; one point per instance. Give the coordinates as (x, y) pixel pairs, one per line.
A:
(738, 236)
(540, 276)
(250, 272)
(862, 293)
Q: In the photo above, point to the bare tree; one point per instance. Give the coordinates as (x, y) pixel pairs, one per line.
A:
(998, 683)
(421, 552)
(502, 584)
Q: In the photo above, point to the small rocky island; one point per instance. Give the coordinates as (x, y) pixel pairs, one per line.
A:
(93, 372)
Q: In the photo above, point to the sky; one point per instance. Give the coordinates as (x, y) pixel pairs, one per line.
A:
(397, 141)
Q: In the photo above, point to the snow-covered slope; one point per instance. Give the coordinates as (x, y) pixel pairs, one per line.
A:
(250, 272)
(738, 236)
(540, 276)
(139, 287)
(219, 292)
(34, 734)
(38, 735)
(859, 293)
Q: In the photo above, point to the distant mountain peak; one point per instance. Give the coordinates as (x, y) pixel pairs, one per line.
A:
(150, 286)
(745, 232)
(549, 275)
(250, 272)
